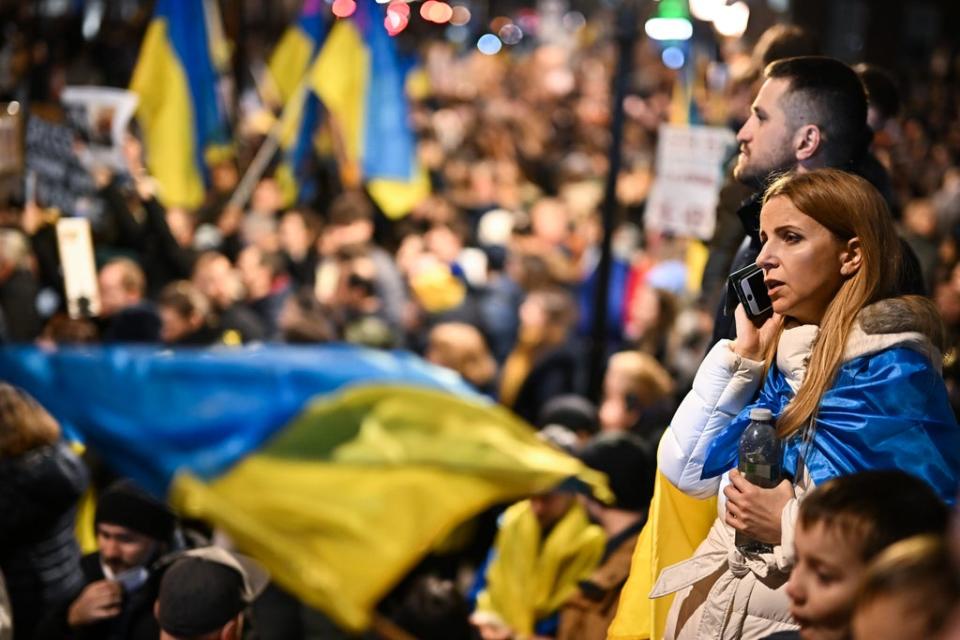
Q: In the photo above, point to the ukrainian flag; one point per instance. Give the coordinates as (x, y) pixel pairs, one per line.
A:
(179, 110)
(338, 467)
(361, 81)
(288, 68)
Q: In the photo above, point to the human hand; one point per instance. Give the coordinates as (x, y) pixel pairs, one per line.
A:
(98, 601)
(494, 632)
(753, 339)
(756, 511)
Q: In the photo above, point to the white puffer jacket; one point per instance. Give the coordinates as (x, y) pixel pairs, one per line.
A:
(720, 593)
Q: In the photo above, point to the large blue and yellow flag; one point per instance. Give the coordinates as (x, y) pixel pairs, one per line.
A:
(179, 110)
(288, 66)
(337, 467)
(360, 78)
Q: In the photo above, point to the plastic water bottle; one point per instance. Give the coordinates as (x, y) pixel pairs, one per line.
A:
(760, 463)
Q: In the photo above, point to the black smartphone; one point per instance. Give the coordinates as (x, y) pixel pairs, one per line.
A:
(748, 284)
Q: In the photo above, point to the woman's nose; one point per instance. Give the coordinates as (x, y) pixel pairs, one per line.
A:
(765, 259)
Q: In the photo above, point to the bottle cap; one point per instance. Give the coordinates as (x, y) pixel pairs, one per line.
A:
(759, 413)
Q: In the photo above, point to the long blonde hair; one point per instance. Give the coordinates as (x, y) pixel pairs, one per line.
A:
(849, 207)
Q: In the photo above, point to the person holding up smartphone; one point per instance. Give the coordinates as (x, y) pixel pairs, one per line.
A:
(851, 376)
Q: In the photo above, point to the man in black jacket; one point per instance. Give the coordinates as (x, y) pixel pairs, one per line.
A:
(116, 602)
(810, 113)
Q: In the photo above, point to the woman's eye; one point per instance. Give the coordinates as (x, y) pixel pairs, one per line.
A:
(791, 238)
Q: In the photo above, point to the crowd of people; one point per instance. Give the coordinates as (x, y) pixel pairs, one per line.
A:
(845, 192)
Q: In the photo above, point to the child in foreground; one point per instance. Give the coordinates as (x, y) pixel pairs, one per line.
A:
(842, 526)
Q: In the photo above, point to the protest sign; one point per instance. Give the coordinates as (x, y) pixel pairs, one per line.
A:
(11, 151)
(683, 200)
(62, 181)
(100, 116)
(75, 244)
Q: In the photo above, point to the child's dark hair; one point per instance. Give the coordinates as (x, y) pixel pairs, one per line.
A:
(878, 507)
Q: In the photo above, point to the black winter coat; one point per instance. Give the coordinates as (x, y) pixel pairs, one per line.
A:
(39, 555)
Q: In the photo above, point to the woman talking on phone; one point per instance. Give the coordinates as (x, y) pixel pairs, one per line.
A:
(850, 376)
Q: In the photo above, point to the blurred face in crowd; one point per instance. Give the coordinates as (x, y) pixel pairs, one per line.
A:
(217, 280)
(174, 326)
(824, 581)
(254, 275)
(295, 238)
(550, 507)
(550, 221)
(616, 414)
(266, 198)
(802, 261)
(766, 139)
(114, 296)
(122, 548)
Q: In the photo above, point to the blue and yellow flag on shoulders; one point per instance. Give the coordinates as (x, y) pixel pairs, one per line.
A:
(289, 63)
(337, 467)
(179, 110)
(360, 78)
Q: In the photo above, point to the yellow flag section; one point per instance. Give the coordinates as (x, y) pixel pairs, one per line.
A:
(340, 77)
(527, 580)
(178, 109)
(676, 525)
(361, 80)
(354, 491)
(164, 111)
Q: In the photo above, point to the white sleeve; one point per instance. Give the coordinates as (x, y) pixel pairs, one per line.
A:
(724, 384)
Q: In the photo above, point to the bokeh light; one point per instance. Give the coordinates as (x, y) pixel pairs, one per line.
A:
(573, 21)
(499, 23)
(344, 8)
(489, 44)
(441, 12)
(673, 57)
(461, 16)
(458, 33)
(731, 21)
(511, 34)
(706, 10)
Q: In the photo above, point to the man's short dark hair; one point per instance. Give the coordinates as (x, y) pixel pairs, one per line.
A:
(350, 207)
(828, 93)
(875, 509)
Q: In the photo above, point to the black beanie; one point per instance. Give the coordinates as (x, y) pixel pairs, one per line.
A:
(574, 412)
(629, 465)
(125, 505)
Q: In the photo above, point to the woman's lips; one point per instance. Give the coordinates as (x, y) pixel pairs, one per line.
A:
(772, 285)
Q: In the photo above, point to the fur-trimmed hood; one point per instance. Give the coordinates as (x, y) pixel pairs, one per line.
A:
(912, 322)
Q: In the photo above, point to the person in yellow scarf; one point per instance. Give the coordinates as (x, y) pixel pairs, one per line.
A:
(545, 546)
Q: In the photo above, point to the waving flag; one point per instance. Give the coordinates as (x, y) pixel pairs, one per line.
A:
(337, 467)
(179, 110)
(360, 78)
(288, 66)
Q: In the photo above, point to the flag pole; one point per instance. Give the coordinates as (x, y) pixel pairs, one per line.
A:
(627, 20)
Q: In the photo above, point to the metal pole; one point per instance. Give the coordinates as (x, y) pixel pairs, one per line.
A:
(626, 25)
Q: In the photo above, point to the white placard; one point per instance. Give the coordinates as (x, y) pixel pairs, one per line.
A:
(79, 268)
(683, 199)
(102, 114)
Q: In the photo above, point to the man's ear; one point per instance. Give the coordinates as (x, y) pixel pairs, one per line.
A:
(851, 258)
(807, 142)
